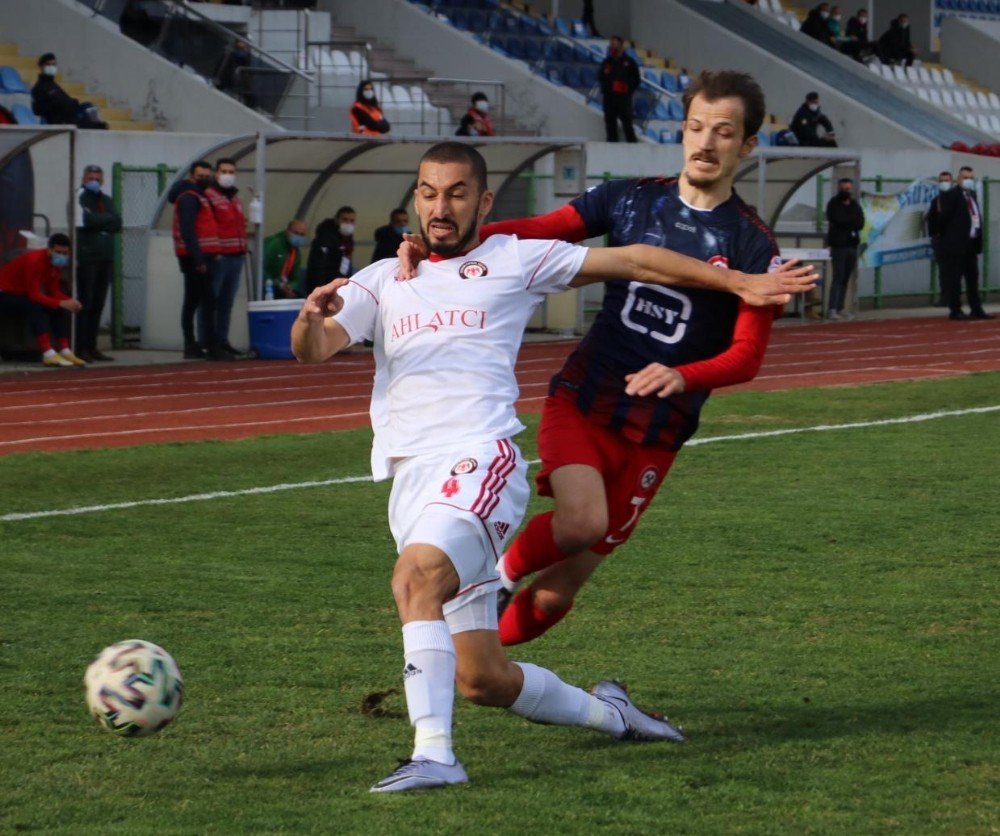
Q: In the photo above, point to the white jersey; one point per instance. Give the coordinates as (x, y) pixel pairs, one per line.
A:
(446, 341)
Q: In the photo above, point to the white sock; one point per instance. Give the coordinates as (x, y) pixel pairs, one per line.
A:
(429, 682)
(545, 698)
(49, 352)
(508, 584)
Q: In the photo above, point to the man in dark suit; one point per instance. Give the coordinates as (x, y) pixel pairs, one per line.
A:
(955, 222)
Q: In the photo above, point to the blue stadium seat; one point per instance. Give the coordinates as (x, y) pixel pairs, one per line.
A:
(23, 115)
(579, 29)
(641, 108)
(532, 49)
(562, 27)
(588, 75)
(669, 82)
(459, 18)
(11, 81)
(661, 110)
(650, 75)
(763, 138)
(653, 134)
(515, 46)
(676, 110)
(571, 76)
(554, 75)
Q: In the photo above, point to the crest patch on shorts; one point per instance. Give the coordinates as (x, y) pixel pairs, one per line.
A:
(648, 478)
(464, 466)
(473, 270)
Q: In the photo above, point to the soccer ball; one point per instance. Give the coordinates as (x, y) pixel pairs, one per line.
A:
(134, 688)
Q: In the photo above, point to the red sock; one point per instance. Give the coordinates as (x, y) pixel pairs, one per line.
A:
(533, 549)
(62, 342)
(522, 621)
(43, 342)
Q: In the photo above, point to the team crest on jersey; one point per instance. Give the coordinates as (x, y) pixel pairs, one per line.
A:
(464, 466)
(719, 261)
(473, 270)
(648, 478)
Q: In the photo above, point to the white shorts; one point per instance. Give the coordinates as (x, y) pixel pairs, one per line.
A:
(467, 501)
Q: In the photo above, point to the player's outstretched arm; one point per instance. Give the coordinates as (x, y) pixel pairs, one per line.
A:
(655, 265)
(316, 337)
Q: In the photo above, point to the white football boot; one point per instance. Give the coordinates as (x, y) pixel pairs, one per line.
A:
(421, 774)
(638, 724)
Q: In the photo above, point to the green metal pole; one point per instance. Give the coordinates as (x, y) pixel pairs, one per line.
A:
(986, 239)
(162, 173)
(877, 302)
(117, 281)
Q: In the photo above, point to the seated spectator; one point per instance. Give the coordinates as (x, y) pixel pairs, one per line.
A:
(894, 46)
(683, 79)
(476, 121)
(389, 237)
(283, 260)
(331, 251)
(833, 23)
(807, 121)
(815, 25)
(53, 104)
(366, 115)
(858, 45)
(30, 287)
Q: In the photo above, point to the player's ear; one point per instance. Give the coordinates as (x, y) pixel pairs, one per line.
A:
(485, 203)
(748, 145)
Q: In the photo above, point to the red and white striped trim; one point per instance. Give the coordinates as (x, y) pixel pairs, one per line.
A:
(500, 468)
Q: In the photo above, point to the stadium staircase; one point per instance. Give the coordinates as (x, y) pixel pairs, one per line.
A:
(15, 93)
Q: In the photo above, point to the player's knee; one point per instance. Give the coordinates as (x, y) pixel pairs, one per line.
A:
(489, 686)
(412, 582)
(552, 600)
(578, 529)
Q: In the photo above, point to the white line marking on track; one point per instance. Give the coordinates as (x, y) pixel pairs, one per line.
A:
(347, 480)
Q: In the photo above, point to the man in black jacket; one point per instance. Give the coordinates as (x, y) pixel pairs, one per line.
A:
(955, 223)
(894, 47)
(95, 255)
(858, 45)
(807, 121)
(845, 219)
(619, 80)
(53, 104)
(389, 237)
(816, 24)
(331, 250)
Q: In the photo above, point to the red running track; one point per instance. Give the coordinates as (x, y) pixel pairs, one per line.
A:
(68, 409)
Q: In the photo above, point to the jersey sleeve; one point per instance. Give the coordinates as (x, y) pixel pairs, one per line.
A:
(596, 205)
(738, 363)
(564, 223)
(361, 294)
(549, 266)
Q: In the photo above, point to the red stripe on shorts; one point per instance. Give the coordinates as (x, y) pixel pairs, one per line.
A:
(496, 480)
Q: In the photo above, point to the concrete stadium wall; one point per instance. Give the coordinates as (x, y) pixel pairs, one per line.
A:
(91, 50)
(972, 49)
(448, 53)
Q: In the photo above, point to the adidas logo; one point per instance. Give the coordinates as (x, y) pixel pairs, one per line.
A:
(501, 529)
(410, 670)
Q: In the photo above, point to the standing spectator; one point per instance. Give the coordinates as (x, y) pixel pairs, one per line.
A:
(53, 104)
(934, 232)
(366, 115)
(233, 79)
(476, 121)
(894, 46)
(95, 261)
(958, 227)
(807, 121)
(845, 220)
(232, 224)
(283, 259)
(858, 45)
(196, 243)
(815, 25)
(389, 237)
(331, 250)
(30, 287)
(588, 18)
(619, 80)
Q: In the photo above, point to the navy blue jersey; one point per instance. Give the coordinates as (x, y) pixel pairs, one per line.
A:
(639, 324)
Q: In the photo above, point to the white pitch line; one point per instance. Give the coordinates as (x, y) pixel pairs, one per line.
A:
(346, 480)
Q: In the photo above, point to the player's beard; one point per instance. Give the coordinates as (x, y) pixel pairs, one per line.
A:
(448, 249)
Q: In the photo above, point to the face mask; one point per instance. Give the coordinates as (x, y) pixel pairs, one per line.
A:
(401, 230)
(483, 107)
(905, 25)
(846, 193)
(863, 20)
(50, 69)
(944, 185)
(92, 185)
(814, 107)
(824, 15)
(59, 260)
(296, 240)
(969, 183)
(369, 95)
(836, 17)
(227, 181)
(346, 230)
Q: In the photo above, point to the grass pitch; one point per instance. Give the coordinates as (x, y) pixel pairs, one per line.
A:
(818, 610)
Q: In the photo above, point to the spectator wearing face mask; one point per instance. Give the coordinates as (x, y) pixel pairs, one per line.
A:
(858, 45)
(619, 78)
(95, 260)
(30, 286)
(476, 121)
(894, 47)
(232, 223)
(815, 25)
(366, 115)
(807, 121)
(197, 245)
(389, 237)
(53, 104)
(845, 220)
(283, 259)
(331, 250)
(835, 25)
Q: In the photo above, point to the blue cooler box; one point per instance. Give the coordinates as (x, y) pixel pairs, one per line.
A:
(270, 325)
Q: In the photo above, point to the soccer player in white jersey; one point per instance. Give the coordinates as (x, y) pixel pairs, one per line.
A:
(443, 414)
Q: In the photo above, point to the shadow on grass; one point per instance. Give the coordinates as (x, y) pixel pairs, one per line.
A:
(288, 768)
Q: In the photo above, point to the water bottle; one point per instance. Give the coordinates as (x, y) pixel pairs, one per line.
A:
(269, 291)
(256, 208)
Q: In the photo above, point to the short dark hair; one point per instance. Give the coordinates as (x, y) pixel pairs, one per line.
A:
(713, 85)
(58, 239)
(458, 152)
(224, 161)
(399, 210)
(199, 164)
(46, 57)
(845, 180)
(945, 174)
(479, 96)
(966, 168)
(343, 209)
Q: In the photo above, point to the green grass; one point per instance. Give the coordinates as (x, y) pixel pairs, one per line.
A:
(818, 610)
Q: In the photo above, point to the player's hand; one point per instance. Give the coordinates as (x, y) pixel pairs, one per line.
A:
(71, 305)
(323, 302)
(778, 287)
(410, 253)
(656, 377)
